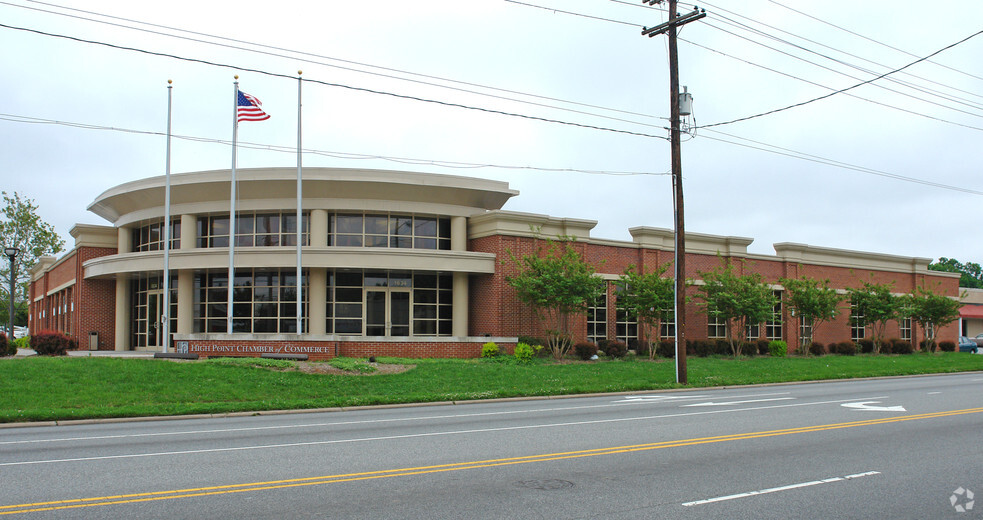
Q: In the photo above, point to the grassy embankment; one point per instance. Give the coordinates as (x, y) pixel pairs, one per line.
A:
(44, 388)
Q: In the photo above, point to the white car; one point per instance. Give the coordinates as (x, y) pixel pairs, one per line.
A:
(20, 332)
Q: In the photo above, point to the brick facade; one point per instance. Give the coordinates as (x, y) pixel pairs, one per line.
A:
(494, 309)
(77, 293)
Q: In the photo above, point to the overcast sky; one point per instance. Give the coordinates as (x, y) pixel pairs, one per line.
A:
(579, 61)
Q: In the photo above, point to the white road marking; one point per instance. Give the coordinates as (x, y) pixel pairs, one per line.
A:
(868, 406)
(934, 393)
(728, 403)
(656, 398)
(628, 399)
(415, 435)
(347, 423)
(780, 488)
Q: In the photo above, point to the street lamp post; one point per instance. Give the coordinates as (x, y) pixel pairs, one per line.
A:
(11, 253)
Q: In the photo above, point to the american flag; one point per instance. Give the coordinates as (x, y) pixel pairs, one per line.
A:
(249, 108)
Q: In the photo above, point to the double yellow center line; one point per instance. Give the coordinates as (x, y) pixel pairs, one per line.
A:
(422, 470)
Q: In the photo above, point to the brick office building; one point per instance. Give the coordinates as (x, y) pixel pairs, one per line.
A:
(393, 263)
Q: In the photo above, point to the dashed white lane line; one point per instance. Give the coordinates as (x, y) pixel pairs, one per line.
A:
(780, 488)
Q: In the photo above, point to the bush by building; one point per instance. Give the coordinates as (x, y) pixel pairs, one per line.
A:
(585, 350)
(52, 343)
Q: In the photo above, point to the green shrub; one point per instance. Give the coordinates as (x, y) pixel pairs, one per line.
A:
(865, 346)
(844, 348)
(817, 349)
(23, 342)
(777, 348)
(900, 346)
(52, 343)
(750, 348)
(699, 347)
(763, 347)
(721, 347)
(525, 352)
(947, 346)
(585, 350)
(490, 350)
(7, 348)
(667, 348)
(616, 349)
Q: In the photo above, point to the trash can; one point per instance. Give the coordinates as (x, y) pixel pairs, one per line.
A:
(93, 341)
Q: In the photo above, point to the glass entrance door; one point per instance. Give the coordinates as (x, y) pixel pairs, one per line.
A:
(387, 312)
(155, 305)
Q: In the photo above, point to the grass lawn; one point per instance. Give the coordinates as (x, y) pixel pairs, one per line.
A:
(60, 388)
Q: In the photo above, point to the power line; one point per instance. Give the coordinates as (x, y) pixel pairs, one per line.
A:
(338, 155)
(351, 62)
(880, 103)
(856, 78)
(787, 152)
(582, 15)
(870, 39)
(841, 51)
(340, 85)
(745, 27)
(845, 89)
(960, 101)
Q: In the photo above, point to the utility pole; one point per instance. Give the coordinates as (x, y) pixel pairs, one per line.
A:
(679, 313)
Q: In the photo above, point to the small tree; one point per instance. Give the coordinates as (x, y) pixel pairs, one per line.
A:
(649, 298)
(877, 306)
(557, 284)
(21, 227)
(814, 302)
(738, 300)
(931, 312)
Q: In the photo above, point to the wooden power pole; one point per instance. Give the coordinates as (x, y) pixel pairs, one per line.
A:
(679, 313)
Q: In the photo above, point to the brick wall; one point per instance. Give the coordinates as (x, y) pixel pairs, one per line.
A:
(92, 302)
(494, 308)
(324, 350)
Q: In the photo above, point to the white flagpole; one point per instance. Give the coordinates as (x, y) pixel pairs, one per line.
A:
(300, 221)
(165, 318)
(232, 205)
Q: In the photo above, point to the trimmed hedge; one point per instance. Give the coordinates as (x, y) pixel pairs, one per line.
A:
(52, 343)
(7, 348)
(585, 350)
(817, 349)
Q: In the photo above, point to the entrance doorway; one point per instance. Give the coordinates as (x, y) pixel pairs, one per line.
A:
(387, 312)
(154, 330)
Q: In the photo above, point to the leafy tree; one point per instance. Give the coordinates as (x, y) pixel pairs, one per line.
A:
(738, 300)
(649, 298)
(930, 311)
(971, 274)
(877, 306)
(813, 301)
(557, 284)
(21, 227)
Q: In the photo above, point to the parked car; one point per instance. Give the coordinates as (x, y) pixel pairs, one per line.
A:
(967, 345)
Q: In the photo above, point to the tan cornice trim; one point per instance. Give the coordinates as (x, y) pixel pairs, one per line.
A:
(284, 257)
(61, 287)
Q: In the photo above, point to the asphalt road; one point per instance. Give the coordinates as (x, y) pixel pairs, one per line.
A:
(891, 448)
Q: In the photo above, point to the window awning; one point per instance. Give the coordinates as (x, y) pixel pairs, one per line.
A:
(971, 311)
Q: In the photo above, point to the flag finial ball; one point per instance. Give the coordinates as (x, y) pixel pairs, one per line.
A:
(169, 82)
(300, 72)
(236, 76)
